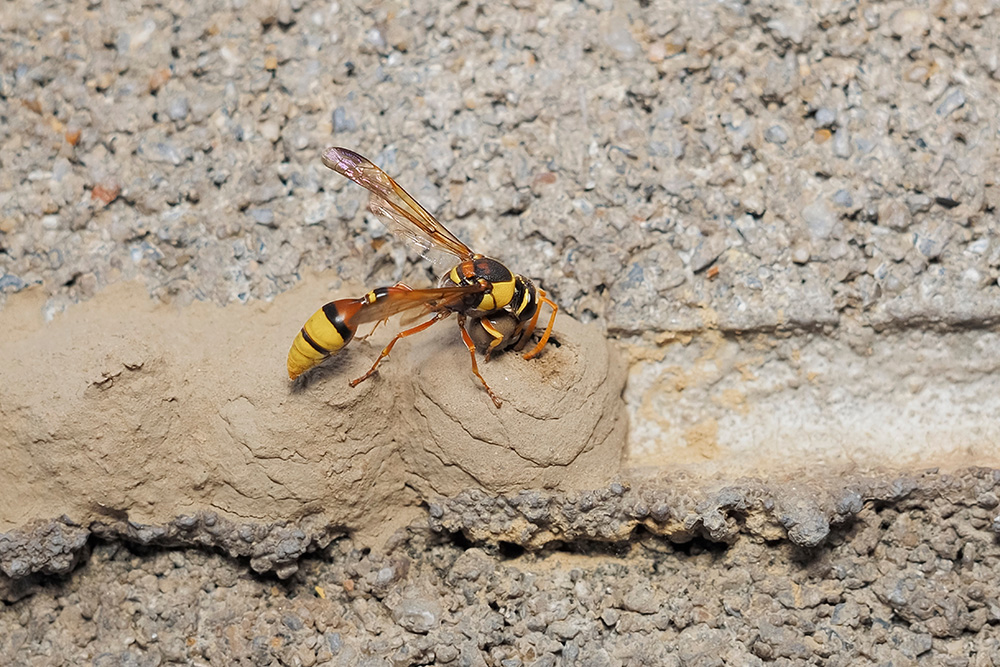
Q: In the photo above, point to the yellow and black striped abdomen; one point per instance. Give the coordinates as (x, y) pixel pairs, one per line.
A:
(323, 334)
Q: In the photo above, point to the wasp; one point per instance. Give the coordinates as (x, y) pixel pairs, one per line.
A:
(496, 308)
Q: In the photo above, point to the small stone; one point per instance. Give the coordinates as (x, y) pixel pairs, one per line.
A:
(819, 218)
(825, 117)
(446, 653)
(919, 202)
(894, 215)
(292, 622)
(341, 122)
(931, 244)
(707, 251)
(954, 100)
(164, 152)
(909, 22)
(385, 576)
(979, 246)
(641, 599)
(565, 629)
(843, 199)
(801, 252)
(270, 130)
(419, 615)
(262, 216)
(842, 143)
(776, 135)
(618, 36)
(178, 108)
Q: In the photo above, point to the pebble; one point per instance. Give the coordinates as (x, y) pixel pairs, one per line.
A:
(894, 215)
(843, 199)
(707, 251)
(825, 117)
(178, 108)
(931, 243)
(776, 135)
(262, 216)
(419, 615)
(342, 123)
(842, 143)
(909, 22)
(954, 100)
(641, 599)
(819, 219)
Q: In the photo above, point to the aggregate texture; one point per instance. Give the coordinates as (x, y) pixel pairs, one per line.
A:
(788, 212)
(832, 160)
(909, 580)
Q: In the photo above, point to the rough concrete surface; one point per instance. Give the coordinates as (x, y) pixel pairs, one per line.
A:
(784, 215)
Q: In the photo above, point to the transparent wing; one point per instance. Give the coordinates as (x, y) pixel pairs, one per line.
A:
(400, 299)
(393, 205)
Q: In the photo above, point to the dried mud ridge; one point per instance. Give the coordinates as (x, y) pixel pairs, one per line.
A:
(678, 511)
(906, 570)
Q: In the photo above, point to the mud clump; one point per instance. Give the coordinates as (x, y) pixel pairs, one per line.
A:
(147, 423)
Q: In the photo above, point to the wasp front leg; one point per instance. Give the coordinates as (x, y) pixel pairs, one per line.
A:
(493, 333)
(472, 353)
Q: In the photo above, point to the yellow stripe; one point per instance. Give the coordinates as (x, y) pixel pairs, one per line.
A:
(502, 294)
(321, 329)
(302, 356)
(525, 300)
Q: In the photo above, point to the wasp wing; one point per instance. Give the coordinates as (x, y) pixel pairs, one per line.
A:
(391, 301)
(393, 205)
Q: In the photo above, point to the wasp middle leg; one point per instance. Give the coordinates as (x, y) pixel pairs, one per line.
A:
(402, 334)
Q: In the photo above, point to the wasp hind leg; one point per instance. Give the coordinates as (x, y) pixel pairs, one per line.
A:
(388, 348)
(548, 330)
(475, 367)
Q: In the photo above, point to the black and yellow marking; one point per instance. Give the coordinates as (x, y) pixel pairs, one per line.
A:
(524, 303)
(323, 334)
(376, 294)
(499, 277)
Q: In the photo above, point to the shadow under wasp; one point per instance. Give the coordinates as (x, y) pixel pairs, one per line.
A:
(496, 308)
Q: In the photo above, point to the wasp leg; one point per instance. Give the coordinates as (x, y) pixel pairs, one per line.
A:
(381, 322)
(369, 334)
(388, 348)
(529, 328)
(548, 329)
(497, 337)
(475, 367)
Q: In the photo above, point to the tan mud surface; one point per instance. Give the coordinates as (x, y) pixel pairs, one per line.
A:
(122, 407)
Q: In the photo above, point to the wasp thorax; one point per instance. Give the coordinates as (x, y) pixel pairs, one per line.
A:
(479, 269)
